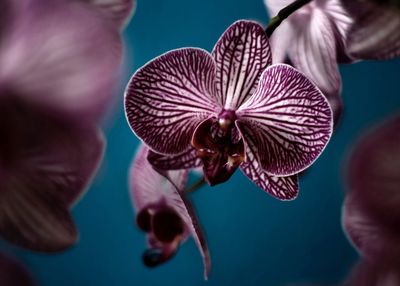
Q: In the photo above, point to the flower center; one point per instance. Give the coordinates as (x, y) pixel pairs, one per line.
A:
(220, 147)
(165, 228)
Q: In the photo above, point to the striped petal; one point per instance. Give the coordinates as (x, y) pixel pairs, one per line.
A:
(282, 188)
(314, 52)
(241, 55)
(167, 98)
(287, 120)
(45, 166)
(375, 31)
(185, 160)
(149, 188)
(119, 11)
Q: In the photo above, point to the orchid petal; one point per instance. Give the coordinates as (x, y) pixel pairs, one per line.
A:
(186, 160)
(374, 171)
(282, 188)
(370, 236)
(288, 120)
(45, 168)
(280, 42)
(150, 188)
(119, 11)
(241, 55)
(75, 63)
(338, 14)
(375, 31)
(167, 98)
(274, 6)
(314, 52)
(12, 273)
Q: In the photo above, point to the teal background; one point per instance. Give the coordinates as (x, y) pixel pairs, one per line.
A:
(254, 239)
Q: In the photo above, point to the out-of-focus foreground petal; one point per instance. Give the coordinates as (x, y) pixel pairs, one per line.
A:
(241, 55)
(150, 189)
(374, 171)
(375, 31)
(167, 98)
(288, 120)
(45, 167)
(13, 273)
(68, 66)
(119, 11)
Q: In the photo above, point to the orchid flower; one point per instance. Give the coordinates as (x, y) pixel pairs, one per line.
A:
(375, 32)
(66, 67)
(163, 212)
(231, 109)
(371, 213)
(314, 38)
(56, 77)
(12, 273)
(45, 167)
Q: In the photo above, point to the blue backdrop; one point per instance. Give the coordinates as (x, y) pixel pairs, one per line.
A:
(254, 239)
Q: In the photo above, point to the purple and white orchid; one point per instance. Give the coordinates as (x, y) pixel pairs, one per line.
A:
(314, 38)
(326, 32)
(163, 212)
(375, 31)
(230, 109)
(56, 79)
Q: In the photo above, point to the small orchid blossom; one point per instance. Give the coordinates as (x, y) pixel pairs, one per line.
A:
(56, 77)
(13, 273)
(163, 212)
(371, 213)
(230, 109)
(375, 32)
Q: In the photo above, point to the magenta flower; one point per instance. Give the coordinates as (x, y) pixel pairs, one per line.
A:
(163, 212)
(231, 109)
(371, 213)
(374, 33)
(56, 79)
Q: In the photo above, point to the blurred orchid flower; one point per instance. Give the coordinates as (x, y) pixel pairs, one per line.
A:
(375, 33)
(231, 108)
(12, 273)
(163, 212)
(45, 167)
(56, 78)
(67, 67)
(371, 213)
(314, 39)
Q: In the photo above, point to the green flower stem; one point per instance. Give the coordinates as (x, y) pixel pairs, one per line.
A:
(283, 14)
(197, 185)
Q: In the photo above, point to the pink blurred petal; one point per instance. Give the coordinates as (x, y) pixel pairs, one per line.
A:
(374, 170)
(68, 67)
(280, 42)
(288, 120)
(45, 167)
(119, 11)
(241, 55)
(375, 32)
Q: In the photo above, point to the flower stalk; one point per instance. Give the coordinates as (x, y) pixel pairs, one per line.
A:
(283, 14)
